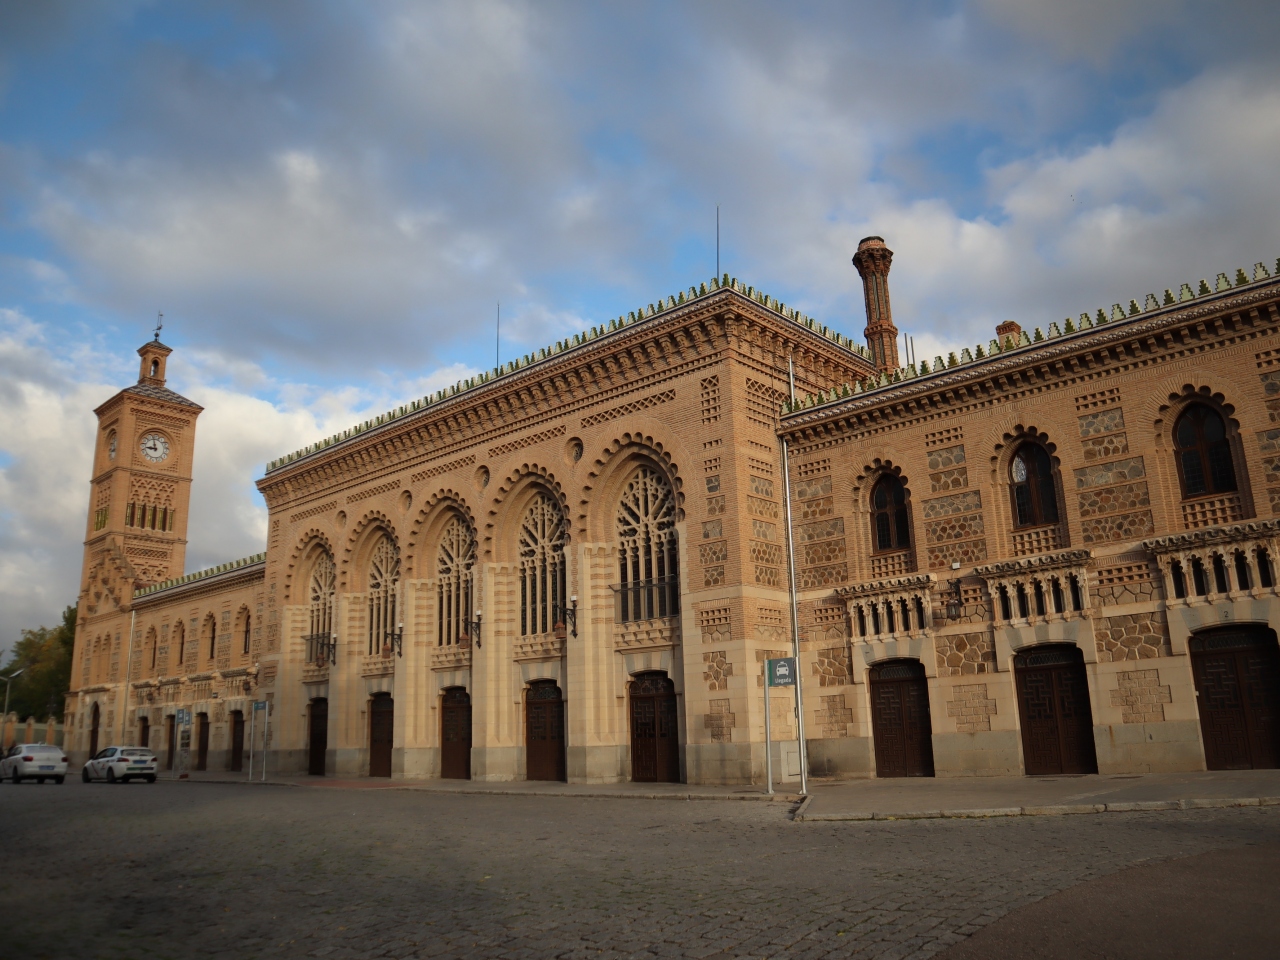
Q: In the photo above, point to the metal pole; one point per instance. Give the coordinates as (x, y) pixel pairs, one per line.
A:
(253, 718)
(266, 735)
(768, 738)
(795, 622)
(128, 668)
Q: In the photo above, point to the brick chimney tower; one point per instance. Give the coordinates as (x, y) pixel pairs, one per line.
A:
(872, 260)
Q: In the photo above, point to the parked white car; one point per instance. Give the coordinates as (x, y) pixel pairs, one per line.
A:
(34, 761)
(120, 765)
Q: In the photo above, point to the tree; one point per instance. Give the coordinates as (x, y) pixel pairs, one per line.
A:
(45, 655)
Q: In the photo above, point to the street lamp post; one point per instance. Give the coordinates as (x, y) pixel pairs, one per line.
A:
(8, 681)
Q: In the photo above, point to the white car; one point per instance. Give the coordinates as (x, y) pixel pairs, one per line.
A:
(120, 765)
(34, 761)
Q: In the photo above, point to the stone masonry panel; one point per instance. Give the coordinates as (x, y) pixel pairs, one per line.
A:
(1106, 474)
(1269, 441)
(822, 530)
(830, 576)
(834, 716)
(1109, 420)
(954, 528)
(968, 553)
(950, 506)
(720, 721)
(1124, 498)
(1140, 696)
(1105, 447)
(824, 551)
(832, 667)
(1137, 636)
(946, 457)
(944, 480)
(718, 671)
(812, 509)
(1270, 382)
(1125, 526)
(965, 654)
(809, 489)
(972, 708)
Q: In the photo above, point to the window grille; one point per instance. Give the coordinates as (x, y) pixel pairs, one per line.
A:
(648, 549)
(1034, 499)
(542, 565)
(455, 562)
(384, 576)
(1204, 452)
(890, 522)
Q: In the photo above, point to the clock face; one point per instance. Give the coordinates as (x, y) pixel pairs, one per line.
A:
(155, 447)
(111, 446)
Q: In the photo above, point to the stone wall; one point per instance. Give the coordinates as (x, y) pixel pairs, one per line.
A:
(971, 708)
(1140, 696)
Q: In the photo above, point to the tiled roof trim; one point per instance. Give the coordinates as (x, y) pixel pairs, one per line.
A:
(569, 343)
(161, 393)
(974, 359)
(241, 565)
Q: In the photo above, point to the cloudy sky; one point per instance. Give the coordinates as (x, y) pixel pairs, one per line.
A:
(327, 200)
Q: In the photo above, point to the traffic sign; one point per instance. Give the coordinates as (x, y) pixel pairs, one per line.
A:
(782, 672)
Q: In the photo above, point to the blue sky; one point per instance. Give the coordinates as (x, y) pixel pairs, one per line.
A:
(328, 199)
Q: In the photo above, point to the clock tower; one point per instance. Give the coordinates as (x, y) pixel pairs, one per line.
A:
(136, 533)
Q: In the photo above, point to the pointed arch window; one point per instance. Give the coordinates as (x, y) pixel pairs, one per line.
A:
(1204, 452)
(320, 598)
(542, 565)
(455, 562)
(1035, 500)
(890, 519)
(648, 549)
(248, 622)
(211, 634)
(384, 578)
(180, 639)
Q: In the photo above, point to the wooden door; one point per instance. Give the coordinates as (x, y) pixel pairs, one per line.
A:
(1237, 677)
(455, 734)
(144, 732)
(901, 726)
(655, 732)
(237, 741)
(1053, 706)
(544, 731)
(381, 728)
(202, 744)
(171, 739)
(93, 731)
(318, 736)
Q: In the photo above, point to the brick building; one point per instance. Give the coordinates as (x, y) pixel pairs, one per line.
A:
(1050, 554)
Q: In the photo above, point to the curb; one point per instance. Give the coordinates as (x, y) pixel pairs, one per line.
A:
(473, 792)
(1051, 810)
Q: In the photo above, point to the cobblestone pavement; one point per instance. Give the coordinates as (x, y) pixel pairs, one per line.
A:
(210, 870)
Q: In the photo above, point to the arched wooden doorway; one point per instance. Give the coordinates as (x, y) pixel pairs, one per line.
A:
(237, 741)
(544, 731)
(317, 736)
(455, 734)
(94, 720)
(901, 726)
(1053, 705)
(655, 732)
(1237, 677)
(382, 722)
(202, 741)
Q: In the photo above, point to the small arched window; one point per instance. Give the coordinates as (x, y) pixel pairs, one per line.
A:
(890, 522)
(1035, 501)
(155, 367)
(211, 628)
(1204, 452)
(247, 623)
(180, 639)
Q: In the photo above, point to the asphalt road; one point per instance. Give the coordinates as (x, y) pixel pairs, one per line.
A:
(210, 870)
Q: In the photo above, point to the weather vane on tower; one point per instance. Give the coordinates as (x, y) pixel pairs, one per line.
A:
(159, 324)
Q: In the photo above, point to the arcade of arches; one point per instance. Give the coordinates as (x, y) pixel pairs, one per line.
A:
(1055, 556)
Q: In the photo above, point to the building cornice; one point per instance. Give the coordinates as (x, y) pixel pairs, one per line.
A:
(1235, 533)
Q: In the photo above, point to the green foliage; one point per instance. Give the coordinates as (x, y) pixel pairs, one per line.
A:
(46, 656)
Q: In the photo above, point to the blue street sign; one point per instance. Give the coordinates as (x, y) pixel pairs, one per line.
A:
(782, 672)
(259, 705)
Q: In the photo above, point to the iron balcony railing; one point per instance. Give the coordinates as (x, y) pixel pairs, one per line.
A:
(646, 600)
(322, 649)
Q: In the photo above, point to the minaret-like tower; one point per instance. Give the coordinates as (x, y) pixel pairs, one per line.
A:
(873, 260)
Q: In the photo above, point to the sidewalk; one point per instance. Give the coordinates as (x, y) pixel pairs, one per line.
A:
(513, 788)
(929, 797)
